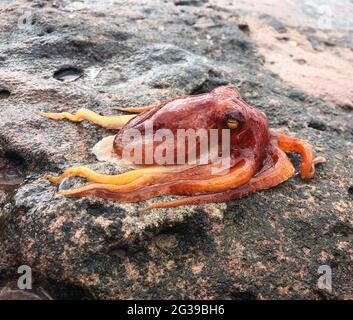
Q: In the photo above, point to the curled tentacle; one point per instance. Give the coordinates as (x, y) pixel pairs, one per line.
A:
(304, 148)
(277, 169)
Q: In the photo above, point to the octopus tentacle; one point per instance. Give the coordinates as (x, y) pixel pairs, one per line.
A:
(132, 179)
(135, 109)
(278, 169)
(109, 122)
(98, 188)
(303, 147)
(145, 108)
(93, 176)
(149, 174)
(238, 175)
(155, 172)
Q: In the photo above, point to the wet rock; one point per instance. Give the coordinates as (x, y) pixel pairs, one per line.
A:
(269, 245)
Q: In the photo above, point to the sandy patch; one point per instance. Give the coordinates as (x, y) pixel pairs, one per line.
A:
(326, 73)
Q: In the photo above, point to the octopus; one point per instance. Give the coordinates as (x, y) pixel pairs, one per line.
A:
(257, 157)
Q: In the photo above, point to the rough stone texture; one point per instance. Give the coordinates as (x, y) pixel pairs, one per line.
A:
(62, 55)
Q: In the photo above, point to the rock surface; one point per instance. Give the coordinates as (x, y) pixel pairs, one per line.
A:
(62, 55)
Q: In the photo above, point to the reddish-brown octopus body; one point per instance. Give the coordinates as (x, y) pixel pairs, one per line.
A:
(257, 158)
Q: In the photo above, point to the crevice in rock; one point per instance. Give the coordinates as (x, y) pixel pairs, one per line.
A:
(194, 3)
(15, 158)
(65, 291)
(214, 80)
(348, 107)
(350, 191)
(317, 125)
(244, 27)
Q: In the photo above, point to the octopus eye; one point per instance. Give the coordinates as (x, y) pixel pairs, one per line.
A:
(232, 123)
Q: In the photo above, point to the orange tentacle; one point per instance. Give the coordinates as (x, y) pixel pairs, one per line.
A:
(278, 169)
(135, 109)
(304, 148)
(138, 190)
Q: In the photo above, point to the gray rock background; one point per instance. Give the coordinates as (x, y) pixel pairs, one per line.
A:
(62, 55)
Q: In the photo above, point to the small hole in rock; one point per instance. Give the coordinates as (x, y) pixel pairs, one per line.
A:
(68, 74)
(12, 167)
(244, 27)
(317, 125)
(95, 210)
(4, 94)
(49, 29)
(300, 61)
(118, 252)
(14, 158)
(195, 3)
(350, 191)
(329, 44)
